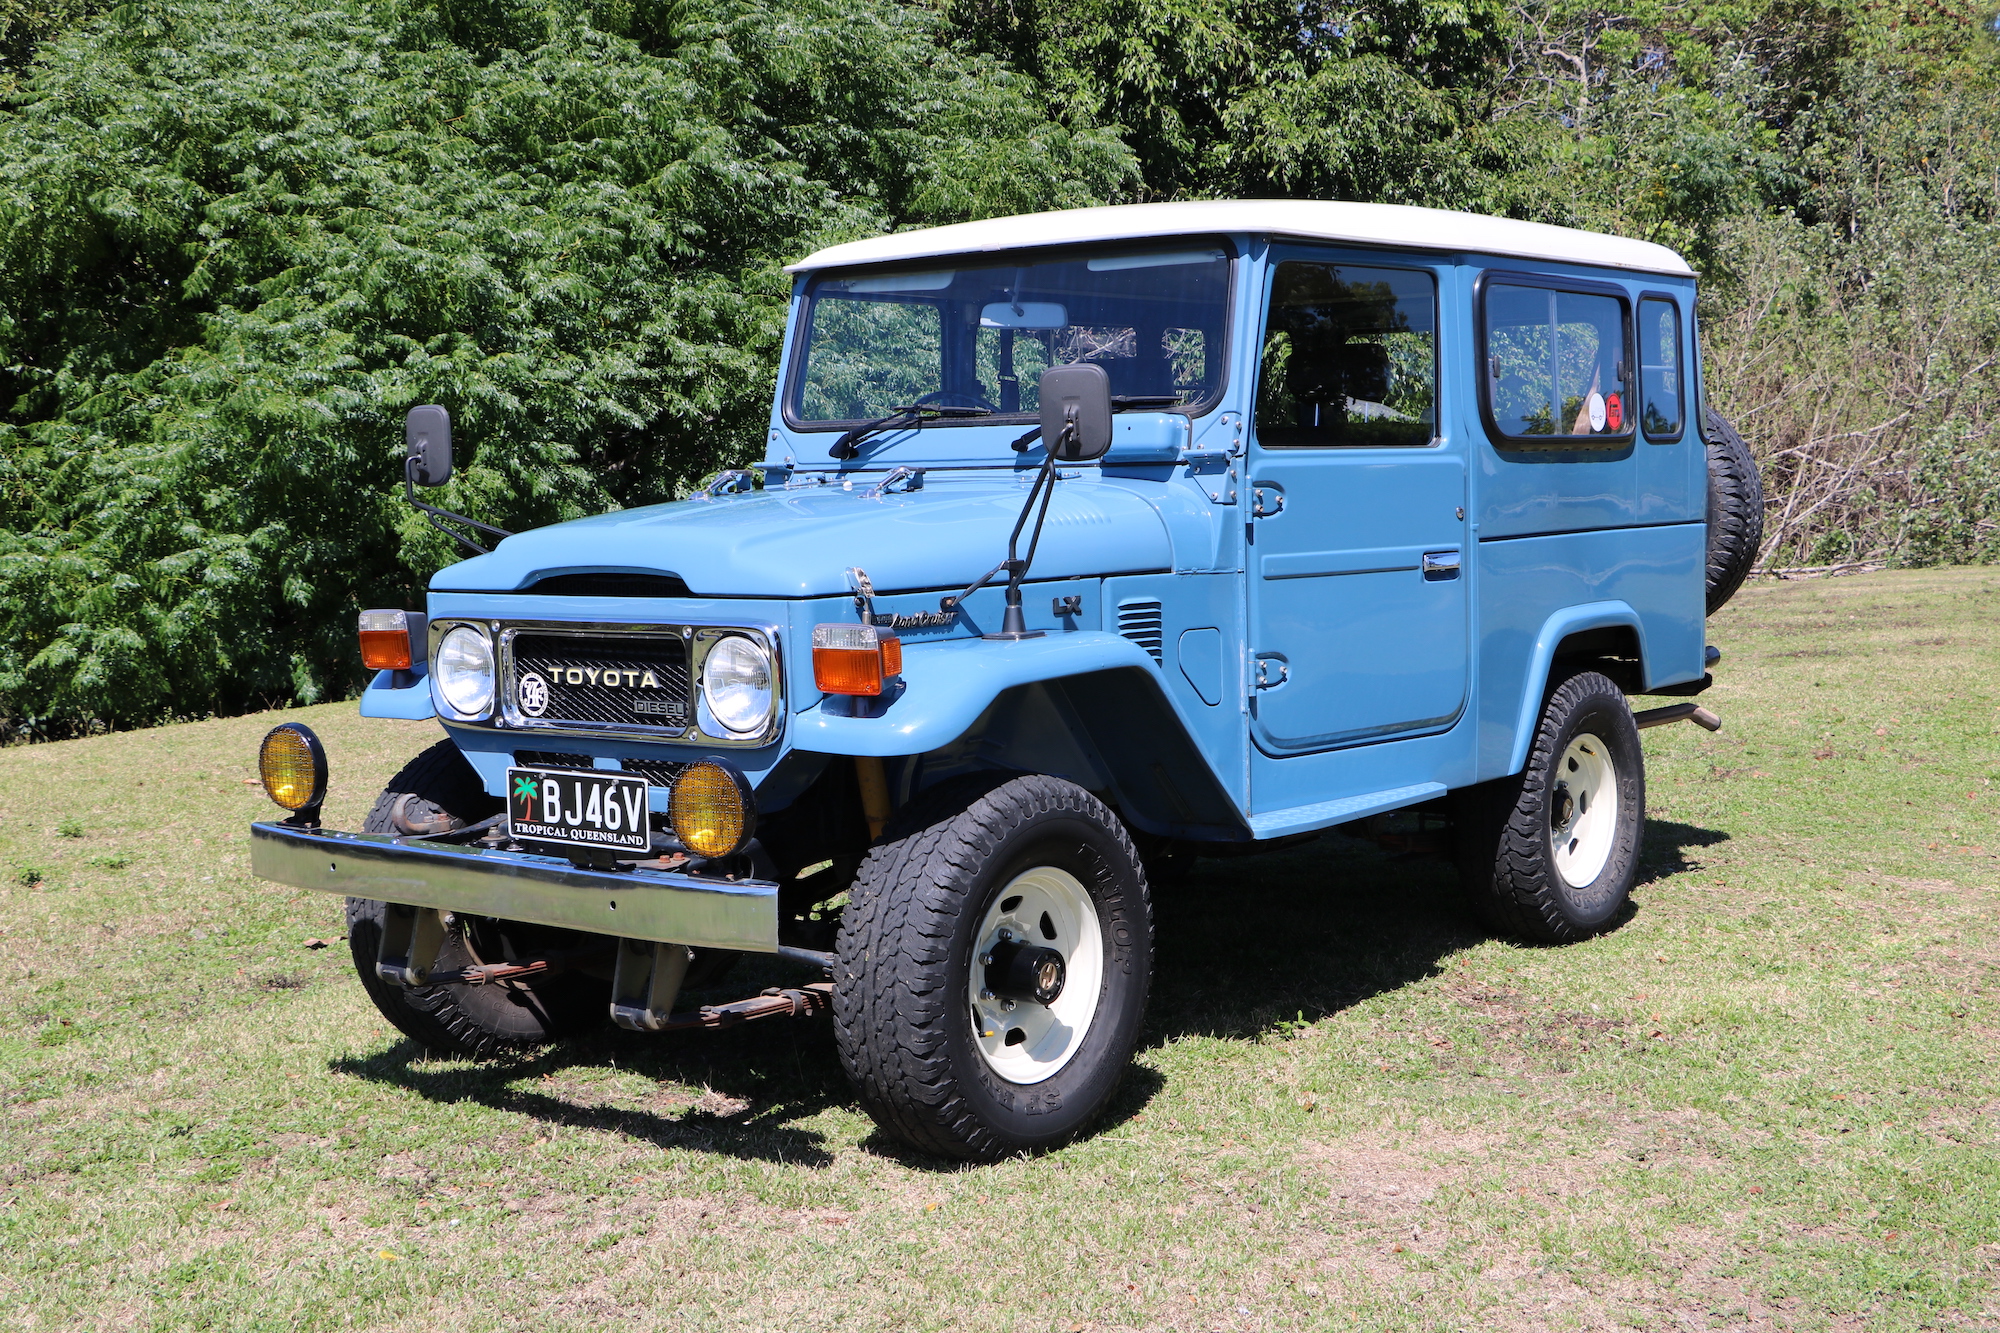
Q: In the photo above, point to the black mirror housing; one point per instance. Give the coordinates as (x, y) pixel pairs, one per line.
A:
(427, 432)
(1076, 411)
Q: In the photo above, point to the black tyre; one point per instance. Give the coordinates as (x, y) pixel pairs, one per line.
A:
(1735, 509)
(962, 899)
(438, 791)
(1550, 853)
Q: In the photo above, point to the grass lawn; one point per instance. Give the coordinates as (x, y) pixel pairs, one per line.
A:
(1769, 1099)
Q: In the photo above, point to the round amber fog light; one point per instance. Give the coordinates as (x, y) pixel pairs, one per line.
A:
(711, 809)
(292, 764)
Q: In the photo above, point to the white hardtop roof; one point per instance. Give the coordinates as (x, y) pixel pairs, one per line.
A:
(1363, 224)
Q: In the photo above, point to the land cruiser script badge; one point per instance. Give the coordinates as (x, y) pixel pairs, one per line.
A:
(916, 619)
(534, 694)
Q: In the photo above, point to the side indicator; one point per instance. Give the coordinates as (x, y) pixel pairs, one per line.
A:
(854, 659)
(393, 640)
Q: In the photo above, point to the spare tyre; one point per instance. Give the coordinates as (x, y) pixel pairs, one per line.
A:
(1735, 509)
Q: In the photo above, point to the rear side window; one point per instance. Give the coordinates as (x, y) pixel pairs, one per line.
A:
(1349, 357)
(1556, 366)
(1660, 375)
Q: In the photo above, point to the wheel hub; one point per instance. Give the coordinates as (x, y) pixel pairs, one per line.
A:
(1583, 810)
(1035, 975)
(1027, 973)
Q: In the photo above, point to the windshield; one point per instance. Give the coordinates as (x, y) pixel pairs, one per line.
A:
(980, 337)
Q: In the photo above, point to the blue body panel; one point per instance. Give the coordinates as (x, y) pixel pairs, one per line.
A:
(946, 686)
(1269, 609)
(399, 694)
(1539, 589)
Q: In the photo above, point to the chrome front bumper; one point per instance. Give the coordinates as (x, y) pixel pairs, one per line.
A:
(632, 904)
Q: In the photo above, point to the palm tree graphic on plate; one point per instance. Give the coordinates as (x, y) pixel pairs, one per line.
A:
(526, 788)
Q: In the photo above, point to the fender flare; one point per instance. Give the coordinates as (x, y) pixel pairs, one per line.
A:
(947, 685)
(1559, 626)
(1111, 686)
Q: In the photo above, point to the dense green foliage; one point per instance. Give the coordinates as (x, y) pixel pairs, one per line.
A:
(239, 242)
(236, 242)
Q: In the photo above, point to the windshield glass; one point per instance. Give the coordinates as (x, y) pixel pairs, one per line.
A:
(980, 337)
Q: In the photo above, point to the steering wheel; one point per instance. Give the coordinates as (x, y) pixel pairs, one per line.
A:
(938, 397)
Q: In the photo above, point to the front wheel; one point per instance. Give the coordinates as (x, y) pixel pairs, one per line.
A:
(994, 960)
(1550, 853)
(436, 792)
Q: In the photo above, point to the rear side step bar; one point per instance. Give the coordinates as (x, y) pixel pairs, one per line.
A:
(1695, 713)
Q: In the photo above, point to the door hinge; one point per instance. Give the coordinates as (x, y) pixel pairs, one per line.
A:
(1271, 672)
(1266, 501)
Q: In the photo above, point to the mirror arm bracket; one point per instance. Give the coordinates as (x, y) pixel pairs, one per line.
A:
(438, 517)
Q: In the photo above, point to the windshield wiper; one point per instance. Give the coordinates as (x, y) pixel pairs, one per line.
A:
(849, 444)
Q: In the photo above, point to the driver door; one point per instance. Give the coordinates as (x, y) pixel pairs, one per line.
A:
(1357, 597)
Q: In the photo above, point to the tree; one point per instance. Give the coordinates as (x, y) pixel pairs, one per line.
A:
(237, 242)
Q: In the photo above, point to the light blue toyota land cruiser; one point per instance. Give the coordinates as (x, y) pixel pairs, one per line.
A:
(1083, 543)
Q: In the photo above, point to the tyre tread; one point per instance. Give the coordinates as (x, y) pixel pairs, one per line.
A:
(891, 1005)
(1502, 838)
(1735, 509)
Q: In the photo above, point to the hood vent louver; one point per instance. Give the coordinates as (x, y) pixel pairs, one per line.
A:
(610, 583)
(1140, 622)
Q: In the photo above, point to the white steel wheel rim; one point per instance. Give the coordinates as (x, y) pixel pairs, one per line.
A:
(1583, 810)
(1031, 1042)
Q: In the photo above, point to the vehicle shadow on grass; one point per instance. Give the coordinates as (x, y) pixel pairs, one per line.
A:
(757, 1082)
(1664, 853)
(1242, 945)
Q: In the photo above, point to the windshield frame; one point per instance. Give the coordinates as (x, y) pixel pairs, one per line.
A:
(802, 305)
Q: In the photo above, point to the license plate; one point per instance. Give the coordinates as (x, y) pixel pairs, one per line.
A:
(580, 807)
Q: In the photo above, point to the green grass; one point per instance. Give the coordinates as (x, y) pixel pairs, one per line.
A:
(1769, 1099)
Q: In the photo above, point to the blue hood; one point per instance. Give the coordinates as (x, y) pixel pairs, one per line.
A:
(800, 543)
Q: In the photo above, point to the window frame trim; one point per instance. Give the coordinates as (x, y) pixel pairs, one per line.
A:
(1593, 444)
(1434, 273)
(1681, 343)
(802, 331)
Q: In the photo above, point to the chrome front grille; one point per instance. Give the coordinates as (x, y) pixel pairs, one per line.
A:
(576, 680)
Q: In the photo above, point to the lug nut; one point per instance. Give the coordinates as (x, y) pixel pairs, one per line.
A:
(986, 960)
(1008, 1005)
(986, 995)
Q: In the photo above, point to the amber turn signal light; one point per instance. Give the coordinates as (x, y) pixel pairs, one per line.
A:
(393, 640)
(291, 763)
(711, 809)
(854, 659)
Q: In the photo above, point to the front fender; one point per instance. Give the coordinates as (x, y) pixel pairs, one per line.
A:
(947, 685)
(399, 694)
(1559, 626)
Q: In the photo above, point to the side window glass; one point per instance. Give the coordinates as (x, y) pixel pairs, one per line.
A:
(1660, 369)
(1556, 363)
(1349, 357)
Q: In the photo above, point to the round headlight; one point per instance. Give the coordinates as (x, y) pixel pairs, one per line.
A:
(711, 809)
(736, 684)
(463, 671)
(292, 765)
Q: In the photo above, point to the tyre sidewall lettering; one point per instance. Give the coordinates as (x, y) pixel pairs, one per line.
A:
(1041, 1105)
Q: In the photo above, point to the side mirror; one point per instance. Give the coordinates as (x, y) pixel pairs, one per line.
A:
(427, 431)
(1076, 411)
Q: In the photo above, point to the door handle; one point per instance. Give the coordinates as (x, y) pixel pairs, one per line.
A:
(1440, 566)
